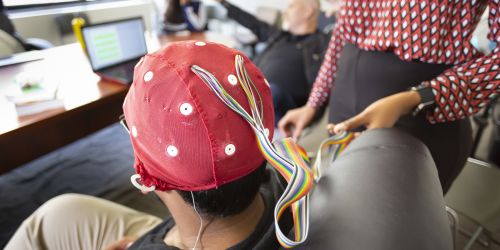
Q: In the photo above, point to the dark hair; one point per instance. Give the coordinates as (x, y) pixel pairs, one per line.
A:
(229, 199)
(174, 14)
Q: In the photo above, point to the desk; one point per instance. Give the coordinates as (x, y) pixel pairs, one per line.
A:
(89, 102)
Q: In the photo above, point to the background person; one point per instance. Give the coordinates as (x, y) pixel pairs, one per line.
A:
(184, 15)
(293, 55)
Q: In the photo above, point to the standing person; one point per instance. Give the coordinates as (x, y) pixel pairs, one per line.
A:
(381, 49)
(184, 15)
(293, 55)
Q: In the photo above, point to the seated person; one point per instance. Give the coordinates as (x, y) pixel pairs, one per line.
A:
(198, 156)
(293, 55)
(183, 15)
(327, 19)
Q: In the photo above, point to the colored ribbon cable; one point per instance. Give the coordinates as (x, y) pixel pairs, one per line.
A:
(328, 151)
(288, 158)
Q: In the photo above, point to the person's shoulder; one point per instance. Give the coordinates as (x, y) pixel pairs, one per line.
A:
(274, 182)
(317, 39)
(153, 239)
(319, 36)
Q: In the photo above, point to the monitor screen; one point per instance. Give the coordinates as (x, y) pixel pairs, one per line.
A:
(112, 43)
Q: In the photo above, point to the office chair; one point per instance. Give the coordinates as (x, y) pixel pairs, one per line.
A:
(8, 28)
(475, 195)
(382, 192)
(9, 45)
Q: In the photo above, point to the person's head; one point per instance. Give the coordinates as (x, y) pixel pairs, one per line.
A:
(301, 16)
(185, 138)
(173, 13)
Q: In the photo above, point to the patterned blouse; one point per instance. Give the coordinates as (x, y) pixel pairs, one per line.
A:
(432, 31)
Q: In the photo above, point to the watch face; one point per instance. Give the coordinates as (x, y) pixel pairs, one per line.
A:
(426, 95)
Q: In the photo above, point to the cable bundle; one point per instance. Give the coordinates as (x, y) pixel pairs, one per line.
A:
(289, 159)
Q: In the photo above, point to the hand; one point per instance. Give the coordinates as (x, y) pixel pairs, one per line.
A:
(296, 119)
(184, 2)
(330, 128)
(383, 113)
(122, 244)
(334, 10)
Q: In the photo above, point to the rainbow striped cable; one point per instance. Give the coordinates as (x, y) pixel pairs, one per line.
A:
(289, 159)
(328, 151)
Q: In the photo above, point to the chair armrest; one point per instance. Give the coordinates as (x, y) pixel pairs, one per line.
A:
(37, 44)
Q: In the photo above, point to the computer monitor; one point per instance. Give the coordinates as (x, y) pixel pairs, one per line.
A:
(113, 43)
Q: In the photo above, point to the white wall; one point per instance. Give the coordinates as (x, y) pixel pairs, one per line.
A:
(251, 5)
(41, 24)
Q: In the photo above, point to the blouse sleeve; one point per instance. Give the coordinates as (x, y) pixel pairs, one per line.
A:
(196, 17)
(326, 75)
(464, 89)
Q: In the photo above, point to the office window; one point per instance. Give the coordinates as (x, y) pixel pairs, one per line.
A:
(17, 3)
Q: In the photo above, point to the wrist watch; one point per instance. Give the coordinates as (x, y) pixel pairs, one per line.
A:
(426, 97)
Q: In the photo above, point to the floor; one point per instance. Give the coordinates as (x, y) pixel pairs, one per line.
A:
(470, 226)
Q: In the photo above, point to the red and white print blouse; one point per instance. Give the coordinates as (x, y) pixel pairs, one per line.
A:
(432, 31)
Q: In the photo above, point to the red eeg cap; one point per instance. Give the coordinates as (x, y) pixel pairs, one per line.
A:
(184, 137)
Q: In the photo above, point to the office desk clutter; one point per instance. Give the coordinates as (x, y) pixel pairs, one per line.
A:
(32, 93)
(89, 105)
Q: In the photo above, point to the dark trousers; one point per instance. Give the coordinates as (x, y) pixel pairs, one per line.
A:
(282, 102)
(366, 76)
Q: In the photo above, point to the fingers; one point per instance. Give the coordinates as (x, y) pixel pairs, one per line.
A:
(351, 123)
(283, 126)
(123, 243)
(330, 128)
(297, 131)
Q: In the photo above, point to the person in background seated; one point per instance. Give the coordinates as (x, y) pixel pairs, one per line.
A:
(328, 18)
(293, 54)
(198, 156)
(183, 15)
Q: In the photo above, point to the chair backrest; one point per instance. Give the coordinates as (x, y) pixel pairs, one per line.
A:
(383, 192)
(9, 45)
(5, 23)
(476, 194)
